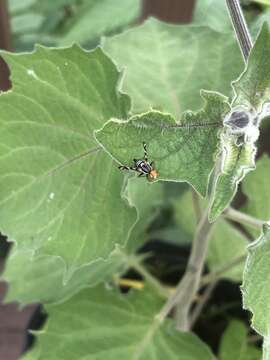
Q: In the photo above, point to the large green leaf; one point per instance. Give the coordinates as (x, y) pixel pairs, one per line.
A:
(182, 151)
(255, 289)
(237, 161)
(101, 324)
(167, 65)
(59, 192)
(252, 89)
(234, 344)
(99, 17)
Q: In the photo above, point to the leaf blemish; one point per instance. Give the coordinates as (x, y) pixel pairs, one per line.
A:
(31, 72)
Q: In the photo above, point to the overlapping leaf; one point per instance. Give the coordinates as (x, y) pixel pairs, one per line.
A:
(181, 151)
(116, 327)
(166, 66)
(59, 192)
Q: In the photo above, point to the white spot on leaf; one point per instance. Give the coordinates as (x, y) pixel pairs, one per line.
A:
(31, 72)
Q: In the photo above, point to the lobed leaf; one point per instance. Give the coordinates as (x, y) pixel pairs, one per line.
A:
(59, 192)
(181, 151)
(116, 327)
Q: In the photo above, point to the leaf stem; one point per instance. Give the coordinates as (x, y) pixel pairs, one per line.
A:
(243, 218)
(189, 284)
(240, 27)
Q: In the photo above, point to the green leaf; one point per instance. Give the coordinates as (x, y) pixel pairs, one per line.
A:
(256, 188)
(167, 65)
(234, 344)
(252, 89)
(24, 274)
(102, 324)
(60, 193)
(255, 289)
(181, 151)
(99, 17)
(237, 160)
(212, 13)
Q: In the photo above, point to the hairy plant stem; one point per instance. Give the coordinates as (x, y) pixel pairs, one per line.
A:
(240, 27)
(189, 284)
(243, 218)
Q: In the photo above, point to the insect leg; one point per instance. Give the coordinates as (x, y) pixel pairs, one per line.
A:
(142, 174)
(145, 152)
(123, 167)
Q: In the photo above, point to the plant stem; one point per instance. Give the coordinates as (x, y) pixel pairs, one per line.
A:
(243, 218)
(189, 284)
(240, 27)
(213, 276)
(136, 265)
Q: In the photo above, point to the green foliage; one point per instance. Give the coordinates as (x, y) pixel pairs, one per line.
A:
(118, 327)
(56, 181)
(158, 48)
(234, 344)
(182, 151)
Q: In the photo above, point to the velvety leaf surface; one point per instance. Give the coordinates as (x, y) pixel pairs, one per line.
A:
(115, 327)
(59, 192)
(181, 151)
(186, 59)
(255, 289)
(234, 344)
(99, 17)
(237, 161)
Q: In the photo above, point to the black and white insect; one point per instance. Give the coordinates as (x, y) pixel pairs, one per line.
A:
(143, 167)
